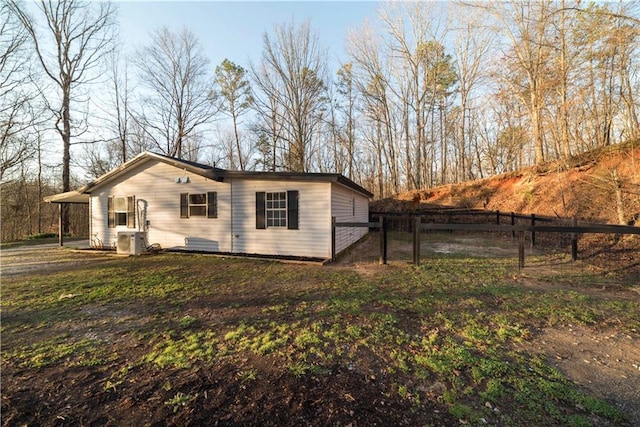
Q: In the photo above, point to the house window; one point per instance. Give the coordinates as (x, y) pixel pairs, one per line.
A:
(277, 210)
(199, 204)
(121, 211)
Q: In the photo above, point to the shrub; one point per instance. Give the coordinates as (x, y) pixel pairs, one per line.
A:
(41, 236)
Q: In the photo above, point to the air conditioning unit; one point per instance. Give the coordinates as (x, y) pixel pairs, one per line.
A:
(131, 243)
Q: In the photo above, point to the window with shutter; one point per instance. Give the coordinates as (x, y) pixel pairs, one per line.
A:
(121, 211)
(277, 210)
(199, 204)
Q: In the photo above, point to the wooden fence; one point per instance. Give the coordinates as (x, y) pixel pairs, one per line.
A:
(533, 226)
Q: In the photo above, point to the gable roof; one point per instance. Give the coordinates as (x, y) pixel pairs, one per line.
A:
(206, 171)
(197, 168)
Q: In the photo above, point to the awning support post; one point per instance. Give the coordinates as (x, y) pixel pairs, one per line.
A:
(60, 236)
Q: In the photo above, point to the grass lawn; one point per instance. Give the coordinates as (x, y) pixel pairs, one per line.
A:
(177, 339)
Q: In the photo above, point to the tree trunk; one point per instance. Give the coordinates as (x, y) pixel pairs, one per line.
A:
(66, 155)
(619, 199)
(536, 124)
(407, 148)
(235, 131)
(564, 115)
(379, 158)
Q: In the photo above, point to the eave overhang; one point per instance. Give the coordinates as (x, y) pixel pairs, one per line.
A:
(68, 197)
(295, 176)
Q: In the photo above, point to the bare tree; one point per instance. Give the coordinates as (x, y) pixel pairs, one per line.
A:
(346, 88)
(291, 80)
(269, 126)
(564, 59)
(70, 47)
(17, 93)
(176, 90)
(472, 44)
(371, 72)
(608, 54)
(116, 146)
(120, 111)
(526, 24)
(406, 79)
(411, 46)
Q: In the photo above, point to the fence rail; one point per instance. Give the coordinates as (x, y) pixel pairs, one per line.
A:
(575, 229)
(467, 212)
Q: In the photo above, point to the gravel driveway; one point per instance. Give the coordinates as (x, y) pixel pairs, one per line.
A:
(47, 257)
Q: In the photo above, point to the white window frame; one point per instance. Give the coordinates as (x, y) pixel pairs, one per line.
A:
(200, 206)
(120, 214)
(276, 209)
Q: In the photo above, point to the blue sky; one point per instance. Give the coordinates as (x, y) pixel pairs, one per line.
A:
(234, 29)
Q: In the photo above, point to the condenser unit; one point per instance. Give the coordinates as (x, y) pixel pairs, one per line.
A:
(131, 243)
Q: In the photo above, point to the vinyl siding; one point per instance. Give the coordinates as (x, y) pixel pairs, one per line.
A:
(311, 239)
(156, 192)
(342, 200)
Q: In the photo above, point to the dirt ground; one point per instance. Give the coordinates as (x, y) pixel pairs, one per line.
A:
(557, 189)
(33, 259)
(604, 362)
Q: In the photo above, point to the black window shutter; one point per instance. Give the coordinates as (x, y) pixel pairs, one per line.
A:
(111, 213)
(131, 212)
(260, 210)
(212, 204)
(184, 205)
(292, 210)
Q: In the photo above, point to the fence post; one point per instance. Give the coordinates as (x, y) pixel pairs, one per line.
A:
(513, 223)
(416, 240)
(520, 250)
(498, 217)
(574, 241)
(333, 239)
(383, 240)
(533, 232)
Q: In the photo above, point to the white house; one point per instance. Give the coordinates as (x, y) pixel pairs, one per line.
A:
(185, 205)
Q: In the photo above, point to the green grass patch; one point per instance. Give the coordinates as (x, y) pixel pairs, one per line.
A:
(181, 351)
(62, 349)
(179, 401)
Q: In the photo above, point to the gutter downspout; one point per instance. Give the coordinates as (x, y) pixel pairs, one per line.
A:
(90, 222)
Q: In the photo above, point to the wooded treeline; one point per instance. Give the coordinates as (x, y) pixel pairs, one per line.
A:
(426, 93)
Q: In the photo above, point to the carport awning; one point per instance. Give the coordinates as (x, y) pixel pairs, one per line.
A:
(68, 197)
